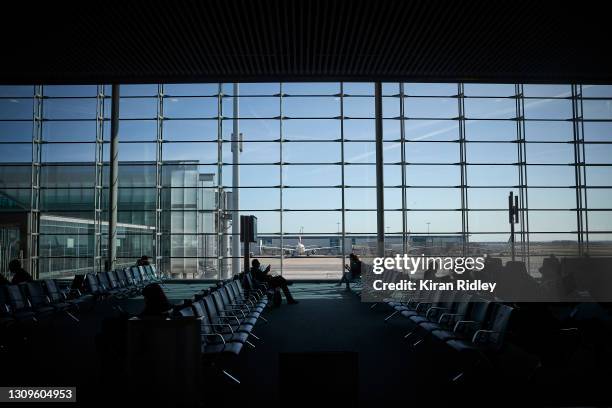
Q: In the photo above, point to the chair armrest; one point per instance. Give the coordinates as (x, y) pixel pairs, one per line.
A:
(229, 318)
(463, 325)
(233, 311)
(422, 307)
(215, 325)
(213, 335)
(433, 311)
(241, 305)
(449, 319)
(486, 337)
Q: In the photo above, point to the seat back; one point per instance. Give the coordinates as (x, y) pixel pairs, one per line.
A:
(78, 283)
(52, 290)
(478, 310)
(92, 284)
(15, 297)
(211, 308)
(104, 280)
(235, 293)
(500, 318)
(136, 275)
(127, 276)
(112, 280)
(185, 311)
(218, 299)
(461, 304)
(225, 295)
(153, 270)
(144, 278)
(5, 306)
(199, 309)
(149, 272)
(120, 276)
(36, 294)
(248, 281)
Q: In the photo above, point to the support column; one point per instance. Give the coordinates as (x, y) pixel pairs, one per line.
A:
(98, 260)
(380, 185)
(114, 180)
(236, 187)
(33, 247)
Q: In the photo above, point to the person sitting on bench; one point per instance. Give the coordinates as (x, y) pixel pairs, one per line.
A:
(156, 302)
(353, 271)
(20, 275)
(273, 281)
(143, 261)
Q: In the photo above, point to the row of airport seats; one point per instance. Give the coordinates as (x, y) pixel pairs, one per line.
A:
(476, 330)
(122, 283)
(466, 324)
(228, 315)
(23, 306)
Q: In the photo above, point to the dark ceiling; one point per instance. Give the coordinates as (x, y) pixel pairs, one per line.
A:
(324, 40)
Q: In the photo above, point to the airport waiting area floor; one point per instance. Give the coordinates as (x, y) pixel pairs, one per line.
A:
(327, 320)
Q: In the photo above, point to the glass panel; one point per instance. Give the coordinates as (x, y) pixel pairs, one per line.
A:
(430, 89)
(305, 107)
(490, 108)
(489, 89)
(548, 109)
(597, 109)
(433, 198)
(74, 108)
(15, 131)
(312, 198)
(319, 175)
(17, 109)
(548, 131)
(492, 176)
(443, 130)
(16, 153)
(314, 129)
(359, 129)
(190, 107)
(432, 152)
(430, 175)
(597, 131)
(312, 88)
(490, 130)
(190, 130)
(425, 108)
(359, 107)
(302, 152)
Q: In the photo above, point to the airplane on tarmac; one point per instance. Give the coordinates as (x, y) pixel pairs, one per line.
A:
(299, 250)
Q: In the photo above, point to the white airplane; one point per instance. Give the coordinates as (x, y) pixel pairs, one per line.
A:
(299, 250)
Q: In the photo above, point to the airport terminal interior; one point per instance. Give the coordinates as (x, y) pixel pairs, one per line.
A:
(124, 189)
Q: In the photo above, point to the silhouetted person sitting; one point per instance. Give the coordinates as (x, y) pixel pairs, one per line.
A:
(272, 281)
(353, 271)
(19, 274)
(143, 261)
(156, 302)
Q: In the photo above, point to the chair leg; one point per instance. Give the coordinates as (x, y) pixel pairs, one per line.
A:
(391, 315)
(73, 317)
(231, 377)
(255, 336)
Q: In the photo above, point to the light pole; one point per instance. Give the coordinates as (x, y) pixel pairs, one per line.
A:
(428, 227)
